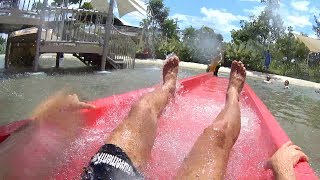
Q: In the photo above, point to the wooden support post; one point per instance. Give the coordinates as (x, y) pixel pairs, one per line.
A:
(37, 56)
(58, 60)
(107, 34)
(7, 55)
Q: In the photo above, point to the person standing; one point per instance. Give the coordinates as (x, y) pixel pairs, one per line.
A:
(267, 60)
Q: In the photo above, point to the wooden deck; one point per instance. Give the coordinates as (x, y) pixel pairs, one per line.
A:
(62, 30)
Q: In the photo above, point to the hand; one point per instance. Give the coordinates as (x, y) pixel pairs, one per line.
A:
(60, 107)
(72, 103)
(284, 159)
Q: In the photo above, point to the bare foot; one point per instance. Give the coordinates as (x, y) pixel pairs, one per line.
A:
(170, 72)
(237, 79)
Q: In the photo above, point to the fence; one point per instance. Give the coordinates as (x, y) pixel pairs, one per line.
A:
(63, 25)
(29, 8)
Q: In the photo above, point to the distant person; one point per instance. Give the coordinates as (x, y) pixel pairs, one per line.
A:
(267, 60)
(286, 84)
(208, 68)
(268, 80)
(215, 72)
(215, 64)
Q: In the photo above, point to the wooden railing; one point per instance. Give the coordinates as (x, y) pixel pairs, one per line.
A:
(29, 8)
(123, 47)
(65, 25)
(62, 25)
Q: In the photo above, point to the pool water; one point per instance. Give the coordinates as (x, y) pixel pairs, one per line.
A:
(297, 109)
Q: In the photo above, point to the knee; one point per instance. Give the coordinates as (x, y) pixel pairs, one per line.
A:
(217, 133)
(143, 106)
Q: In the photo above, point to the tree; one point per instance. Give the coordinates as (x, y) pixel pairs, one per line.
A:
(316, 28)
(87, 5)
(262, 28)
(158, 20)
(291, 48)
(170, 29)
(273, 19)
(188, 34)
(248, 52)
(65, 2)
(158, 26)
(159, 13)
(256, 35)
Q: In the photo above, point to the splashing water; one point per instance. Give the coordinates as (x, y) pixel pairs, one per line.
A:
(183, 120)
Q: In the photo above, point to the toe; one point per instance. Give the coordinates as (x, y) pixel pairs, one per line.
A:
(234, 65)
(243, 70)
(239, 66)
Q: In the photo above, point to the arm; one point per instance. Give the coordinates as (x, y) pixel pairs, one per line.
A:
(53, 124)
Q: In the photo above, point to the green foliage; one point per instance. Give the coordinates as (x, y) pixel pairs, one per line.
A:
(159, 13)
(87, 5)
(291, 48)
(263, 29)
(170, 29)
(249, 52)
(249, 43)
(61, 2)
(168, 46)
(157, 26)
(195, 45)
(266, 32)
(159, 20)
(37, 6)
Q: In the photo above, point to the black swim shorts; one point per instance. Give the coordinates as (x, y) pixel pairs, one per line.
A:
(110, 162)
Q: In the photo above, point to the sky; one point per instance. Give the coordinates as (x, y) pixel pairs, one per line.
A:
(225, 15)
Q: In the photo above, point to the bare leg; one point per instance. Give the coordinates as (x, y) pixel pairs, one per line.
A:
(137, 132)
(209, 156)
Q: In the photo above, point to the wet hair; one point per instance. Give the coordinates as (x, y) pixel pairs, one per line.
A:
(286, 83)
(268, 78)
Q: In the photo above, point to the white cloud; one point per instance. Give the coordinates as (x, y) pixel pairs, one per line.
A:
(298, 21)
(313, 35)
(255, 10)
(220, 20)
(250, 0)
(300, 5)
(220, 17)
(132, 19)
(314, 11)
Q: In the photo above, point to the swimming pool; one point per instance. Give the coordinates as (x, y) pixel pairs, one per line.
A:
(297, 109)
